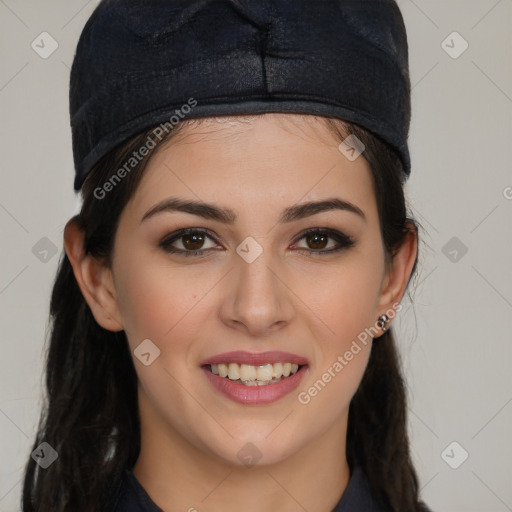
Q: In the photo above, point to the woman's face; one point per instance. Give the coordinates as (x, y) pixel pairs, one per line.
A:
(260, 291)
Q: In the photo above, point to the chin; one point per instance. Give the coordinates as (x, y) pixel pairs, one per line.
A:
(252, 449)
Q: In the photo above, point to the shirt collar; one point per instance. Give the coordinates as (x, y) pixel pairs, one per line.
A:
(358, 497)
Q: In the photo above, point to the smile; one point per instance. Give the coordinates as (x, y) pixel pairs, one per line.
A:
(255, 378)
(251, 375)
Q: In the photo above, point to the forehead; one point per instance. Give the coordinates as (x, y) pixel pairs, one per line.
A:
(255, 163)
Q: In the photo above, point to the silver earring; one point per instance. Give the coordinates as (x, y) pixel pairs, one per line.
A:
(382, 322)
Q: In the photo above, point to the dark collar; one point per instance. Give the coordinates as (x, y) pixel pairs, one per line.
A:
(130, 496)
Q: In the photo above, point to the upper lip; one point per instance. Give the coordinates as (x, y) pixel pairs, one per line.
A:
(255, 358)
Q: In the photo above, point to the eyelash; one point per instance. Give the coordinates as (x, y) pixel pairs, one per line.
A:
(344, 241)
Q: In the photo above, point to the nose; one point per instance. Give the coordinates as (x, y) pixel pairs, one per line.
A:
(258, 299)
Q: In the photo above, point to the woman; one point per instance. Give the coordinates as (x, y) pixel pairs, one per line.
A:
(222, 312)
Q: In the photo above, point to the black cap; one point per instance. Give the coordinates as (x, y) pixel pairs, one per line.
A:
(139, 63)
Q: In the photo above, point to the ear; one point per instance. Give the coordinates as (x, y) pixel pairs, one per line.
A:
(399, 271)
(94, 279)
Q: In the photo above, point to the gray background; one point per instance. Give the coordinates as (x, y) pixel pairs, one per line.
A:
(455, 339)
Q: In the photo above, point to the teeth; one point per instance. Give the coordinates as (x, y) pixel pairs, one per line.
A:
(255, 375)
(278, 370)
(265, 372)
(233, 371)
(248, 372)
(223, 369)
(259, 382)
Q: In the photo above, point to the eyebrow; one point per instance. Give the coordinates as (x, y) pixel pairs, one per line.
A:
(228, 216)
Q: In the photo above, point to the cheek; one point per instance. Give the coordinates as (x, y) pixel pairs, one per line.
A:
(345, 310)
(161, 304)
(344, 302)
(325, 399)
(343, 299)
(154, 301)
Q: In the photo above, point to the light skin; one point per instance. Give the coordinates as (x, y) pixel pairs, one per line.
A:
(195, 307)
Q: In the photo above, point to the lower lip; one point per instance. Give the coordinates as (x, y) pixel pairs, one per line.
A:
(255, 394)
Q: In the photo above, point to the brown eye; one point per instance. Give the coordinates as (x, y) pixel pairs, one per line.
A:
(193, 242)
(318, 240)
(187, 242)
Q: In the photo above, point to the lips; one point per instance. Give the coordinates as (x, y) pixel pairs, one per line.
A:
(255, 359)
(252, 391)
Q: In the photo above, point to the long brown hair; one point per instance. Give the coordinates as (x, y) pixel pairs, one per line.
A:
(90, 415)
